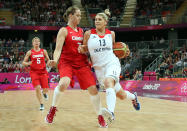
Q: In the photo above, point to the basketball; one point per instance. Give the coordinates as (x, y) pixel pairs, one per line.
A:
(121, 50)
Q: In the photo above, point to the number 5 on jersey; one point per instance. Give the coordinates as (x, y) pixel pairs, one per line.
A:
(38, 61)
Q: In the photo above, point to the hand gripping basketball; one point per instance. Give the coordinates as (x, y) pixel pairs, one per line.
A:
(121, 50)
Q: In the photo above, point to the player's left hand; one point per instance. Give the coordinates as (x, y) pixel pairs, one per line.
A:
(48, 63)
(52, 63)
(81, 49)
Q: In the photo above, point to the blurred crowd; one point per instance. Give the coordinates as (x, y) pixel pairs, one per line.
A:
(11, 55)
(41, 12)
(174, 64)
(131, 67)
(7, 3)
(116, 7)
(151, 8)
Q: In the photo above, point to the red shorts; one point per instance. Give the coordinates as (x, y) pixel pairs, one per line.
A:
(83, 74)
(39, 79)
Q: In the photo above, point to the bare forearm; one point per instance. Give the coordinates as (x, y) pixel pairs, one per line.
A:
(26, 63)
(56, 55)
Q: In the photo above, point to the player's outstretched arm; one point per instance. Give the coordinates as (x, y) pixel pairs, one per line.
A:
(26, 61)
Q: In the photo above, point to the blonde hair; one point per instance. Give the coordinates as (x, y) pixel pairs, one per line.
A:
(70, 10)
(35, 38)
(105, 14)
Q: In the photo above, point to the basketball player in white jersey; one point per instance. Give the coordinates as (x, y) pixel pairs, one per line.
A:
(99, 43)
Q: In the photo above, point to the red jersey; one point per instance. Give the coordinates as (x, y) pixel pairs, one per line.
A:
(38, 61)
(70, 48)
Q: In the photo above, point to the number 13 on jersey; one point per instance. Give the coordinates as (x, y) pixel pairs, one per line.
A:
(102, 42)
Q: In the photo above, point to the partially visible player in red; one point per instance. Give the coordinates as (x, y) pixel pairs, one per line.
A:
(71, 63)
(38, 72)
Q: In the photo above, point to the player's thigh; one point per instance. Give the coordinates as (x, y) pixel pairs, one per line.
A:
(85, 77)
(35, 79)
(113, 71)
(66, 74)
(100, 75)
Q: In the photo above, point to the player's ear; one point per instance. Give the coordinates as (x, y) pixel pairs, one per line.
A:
(70, 15)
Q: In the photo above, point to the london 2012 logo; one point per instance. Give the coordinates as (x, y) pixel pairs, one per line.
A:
(151, 86)
(184, 88)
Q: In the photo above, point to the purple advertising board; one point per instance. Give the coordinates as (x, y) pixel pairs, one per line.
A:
(157, 87)
(22, 81)
(21, 78)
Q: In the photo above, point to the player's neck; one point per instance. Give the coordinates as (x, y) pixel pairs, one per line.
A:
(100, 31)
(36, 49)
(74, 27)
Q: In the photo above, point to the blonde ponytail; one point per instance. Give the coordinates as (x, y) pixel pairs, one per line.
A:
(107, 12)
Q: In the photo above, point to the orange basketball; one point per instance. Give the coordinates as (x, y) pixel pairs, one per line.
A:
(121, 50)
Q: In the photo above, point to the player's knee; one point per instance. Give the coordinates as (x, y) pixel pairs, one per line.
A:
(109, 83)
(93, 90)
(62, 87)
(37, 88)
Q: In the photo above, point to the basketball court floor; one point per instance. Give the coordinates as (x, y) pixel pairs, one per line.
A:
(19, 111)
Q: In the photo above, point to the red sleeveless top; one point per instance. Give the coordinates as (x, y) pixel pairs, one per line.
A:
(38, 61)
(70, 48)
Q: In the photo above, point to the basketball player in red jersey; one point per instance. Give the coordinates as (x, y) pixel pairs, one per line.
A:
(38, 72)
(99, 43)
(73, 63)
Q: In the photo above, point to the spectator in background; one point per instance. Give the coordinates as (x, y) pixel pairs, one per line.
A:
(138, 75)
(17, 70)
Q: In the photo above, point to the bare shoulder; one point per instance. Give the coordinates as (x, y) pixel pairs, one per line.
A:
(87, 33)
(63, 31)
(112, 32)
(28, 52)
(45, 51)
(113, 35)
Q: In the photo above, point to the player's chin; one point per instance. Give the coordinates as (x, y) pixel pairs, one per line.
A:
(98, 26)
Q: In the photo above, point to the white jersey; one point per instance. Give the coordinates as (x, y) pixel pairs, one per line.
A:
(101, 49)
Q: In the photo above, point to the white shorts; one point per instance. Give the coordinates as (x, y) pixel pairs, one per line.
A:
(112, 70)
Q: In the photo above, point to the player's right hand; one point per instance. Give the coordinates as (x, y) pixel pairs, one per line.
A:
(52, 63)
(81, 49)
(29, 63)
